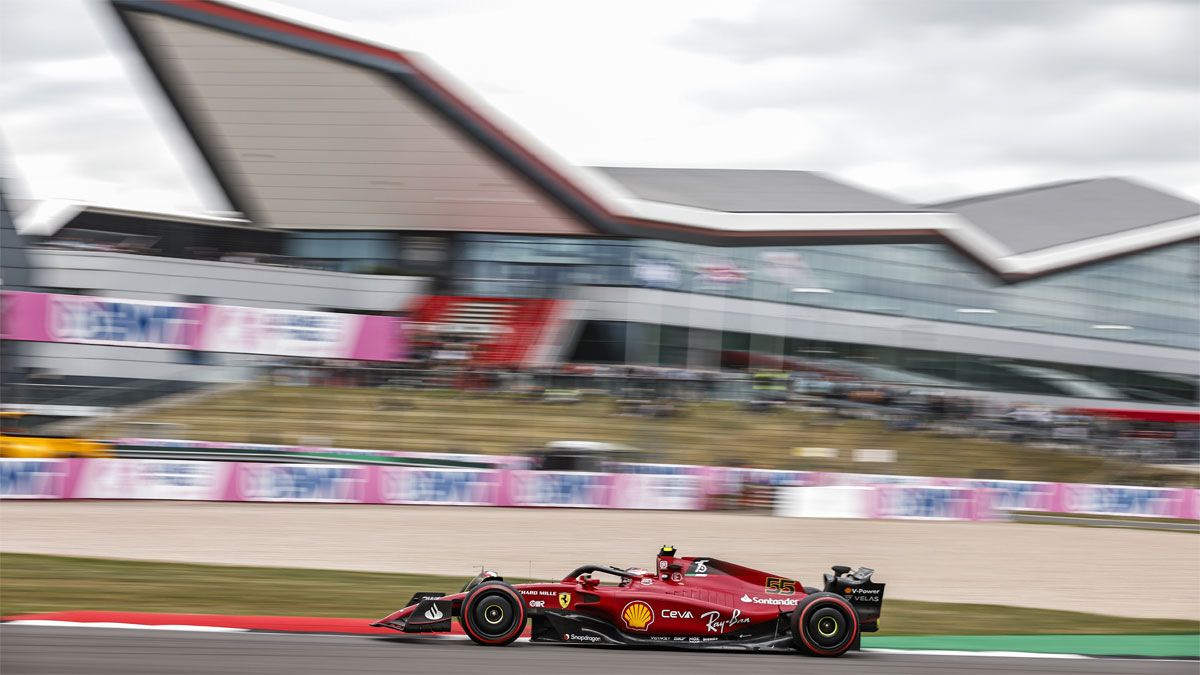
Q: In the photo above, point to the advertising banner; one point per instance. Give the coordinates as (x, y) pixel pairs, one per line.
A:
(280, 332)
(665, 469)
(718, 272)
(33, 478)
(657, 491)
(659, 487)
(1189, 504)
(153, 479)
(830, 501)
(298, 483)
(657, 272)
(566, 489)
(82, 319)
(1016, 495)
(449, 487)
(787, 268)
(1120, 500)
(881, 479)
(923, 502)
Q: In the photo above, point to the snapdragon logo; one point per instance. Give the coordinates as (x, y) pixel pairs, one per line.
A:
(572, 637)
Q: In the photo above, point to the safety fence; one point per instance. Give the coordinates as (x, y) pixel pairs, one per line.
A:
(649, 487)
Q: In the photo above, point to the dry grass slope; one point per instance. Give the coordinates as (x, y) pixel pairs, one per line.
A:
(716, 432)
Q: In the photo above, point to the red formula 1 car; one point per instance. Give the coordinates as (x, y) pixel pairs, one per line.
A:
(699, 603)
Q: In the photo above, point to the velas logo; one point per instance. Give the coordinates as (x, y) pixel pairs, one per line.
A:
(637, 615)
(564, 599)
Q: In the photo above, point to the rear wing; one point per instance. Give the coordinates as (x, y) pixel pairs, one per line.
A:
(865, 595)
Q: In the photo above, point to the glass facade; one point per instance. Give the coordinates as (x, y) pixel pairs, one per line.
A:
(676, 346)
(359, 252)
(1151, 297)
(368, 252)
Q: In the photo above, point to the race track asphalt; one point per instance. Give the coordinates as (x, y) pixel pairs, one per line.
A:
(39, 650)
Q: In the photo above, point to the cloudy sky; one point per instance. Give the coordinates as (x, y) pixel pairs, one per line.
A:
(924, 99)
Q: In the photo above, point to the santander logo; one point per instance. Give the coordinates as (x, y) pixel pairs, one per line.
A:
(777, 602)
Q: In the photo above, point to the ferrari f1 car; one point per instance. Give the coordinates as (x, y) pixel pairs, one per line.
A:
(696, 603)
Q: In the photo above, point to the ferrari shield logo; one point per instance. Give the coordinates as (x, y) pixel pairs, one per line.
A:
(564, 599)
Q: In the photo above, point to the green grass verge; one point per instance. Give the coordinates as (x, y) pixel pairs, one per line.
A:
(1130, 519)
(1154, 646)
(37, 583)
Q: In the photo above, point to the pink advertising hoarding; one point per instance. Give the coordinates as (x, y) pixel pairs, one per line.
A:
(82, 319)
(89, 478)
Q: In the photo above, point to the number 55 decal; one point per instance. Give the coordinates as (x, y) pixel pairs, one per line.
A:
(780, 586)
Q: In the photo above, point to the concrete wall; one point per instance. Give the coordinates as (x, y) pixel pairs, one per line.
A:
(141, 277)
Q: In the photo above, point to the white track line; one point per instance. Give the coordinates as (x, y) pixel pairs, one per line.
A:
(221, 629)
(955, 652)
(114, 624)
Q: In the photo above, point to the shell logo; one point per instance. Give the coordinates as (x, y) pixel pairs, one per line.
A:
(637, 615)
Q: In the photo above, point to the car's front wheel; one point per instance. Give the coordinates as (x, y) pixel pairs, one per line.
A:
(493, 614)
(824, 624)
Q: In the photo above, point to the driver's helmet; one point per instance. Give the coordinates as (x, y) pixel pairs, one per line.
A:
(637, 572)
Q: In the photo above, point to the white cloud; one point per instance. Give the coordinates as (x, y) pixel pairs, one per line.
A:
(927, 99)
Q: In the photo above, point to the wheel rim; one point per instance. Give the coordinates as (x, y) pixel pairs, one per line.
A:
(494, 615)
(828, 627)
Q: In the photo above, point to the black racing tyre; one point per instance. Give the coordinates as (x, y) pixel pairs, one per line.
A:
(824, 624)
(493, 614)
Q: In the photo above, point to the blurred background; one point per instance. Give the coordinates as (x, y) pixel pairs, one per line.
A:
(403, 270)
(879, 265)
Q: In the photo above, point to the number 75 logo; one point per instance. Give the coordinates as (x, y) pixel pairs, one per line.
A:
(780, 586)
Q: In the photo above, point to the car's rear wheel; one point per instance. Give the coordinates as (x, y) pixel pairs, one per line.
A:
(493, 614)
(824, 624)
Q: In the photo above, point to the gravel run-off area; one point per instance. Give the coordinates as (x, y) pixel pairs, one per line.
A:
(1120, 572)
